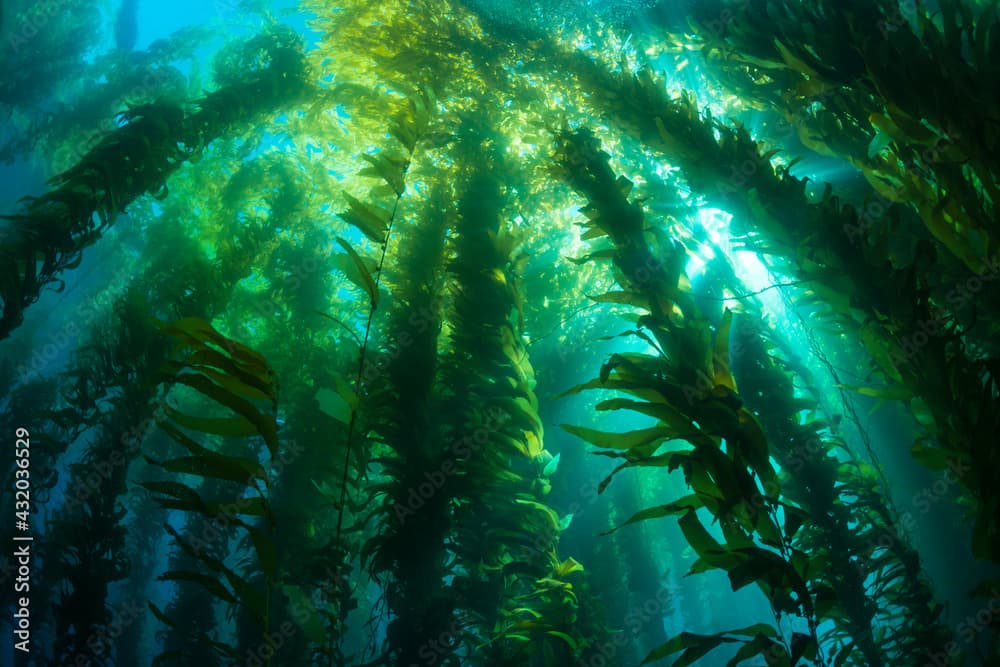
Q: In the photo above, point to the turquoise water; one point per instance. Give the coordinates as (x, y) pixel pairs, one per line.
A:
(444, 333)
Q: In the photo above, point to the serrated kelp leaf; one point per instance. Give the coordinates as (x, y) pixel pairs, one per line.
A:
(391, 169)
(685, 504)
(572, 643)
(722, 375)
(312, 623)
(265, 424)
(890, 393)
(372, 220)
(233, 427)
(357, 272)
(803, 646)
(760, 644)
(158, 613)
(216, 466)
(626, 440)
(267, 555)
(567, 567)
(197, 329)
(209, 583)
(331, 403)
(621, 297)
(248, 595)
(660, 411)
(694, 647)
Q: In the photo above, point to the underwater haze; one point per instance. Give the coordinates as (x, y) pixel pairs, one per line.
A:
(555, 333)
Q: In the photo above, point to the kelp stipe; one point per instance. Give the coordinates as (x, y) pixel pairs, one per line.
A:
(689, 388)
(509, 578)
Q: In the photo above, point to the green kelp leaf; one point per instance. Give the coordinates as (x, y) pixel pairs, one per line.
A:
(661, 411)
(354, 268)
(158, 613)
(372, 220)
(547, 514)
(604, 254)
(551, 467)
(248, 596)
(266, 425)
(757, 565)
(722, 375)
(694, 647)
(843, 656)
(696, 535)
(794, 518)
(267, 555)
(312, 623)
(689, 502)
(217, 466)
(188, 497)
(226, 381)
(567, 567)
(233, 427)
(626, 440)
(754, 630)
(197, 330)
(184, 440)
(519, 412)
(890, 393)
(803, 646)
(625, 298)
(638, 458)
(260, 378)
(566, 638)
(390, 168)
(930, 456)
(635, 388)
(758, 645)
(209, 583)
(755, 448)
(334, 405)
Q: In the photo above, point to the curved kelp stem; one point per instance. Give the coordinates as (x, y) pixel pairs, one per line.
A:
(50, 233)
(375, 223)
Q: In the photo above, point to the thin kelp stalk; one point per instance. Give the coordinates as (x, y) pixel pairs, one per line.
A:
(48, 236)
(873, 575)
(688, 388)
(376, 224)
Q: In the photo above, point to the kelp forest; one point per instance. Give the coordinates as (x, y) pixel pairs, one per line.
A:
(555, 333)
